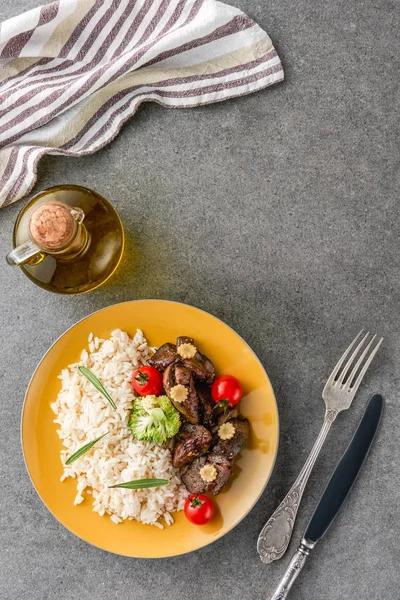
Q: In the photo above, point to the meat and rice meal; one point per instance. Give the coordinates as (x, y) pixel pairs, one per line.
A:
(147, 432)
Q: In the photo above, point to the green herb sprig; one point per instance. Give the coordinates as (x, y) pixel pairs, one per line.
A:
(82, 450)
(99, 386)
(138, 484)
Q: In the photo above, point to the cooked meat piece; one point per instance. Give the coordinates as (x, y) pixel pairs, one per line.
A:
(223, 416)
(165, 356)
(177, 374)
(192, 441)
(227, 415)
(191, 404)
(201, 367)
(191, 477)
(182, 339)
(169, 378)
(207, 412)
(224, 471)
(230, 448)
(196, 485)
(182, 375)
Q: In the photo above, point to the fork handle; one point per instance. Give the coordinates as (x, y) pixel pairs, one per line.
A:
(276, 533)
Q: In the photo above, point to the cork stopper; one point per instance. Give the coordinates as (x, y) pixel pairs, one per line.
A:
(52, 227)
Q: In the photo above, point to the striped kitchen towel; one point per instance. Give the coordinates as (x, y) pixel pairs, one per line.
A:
(71, 72)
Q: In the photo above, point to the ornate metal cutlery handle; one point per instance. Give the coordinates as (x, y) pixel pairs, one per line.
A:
(294, 568)
(276, 533)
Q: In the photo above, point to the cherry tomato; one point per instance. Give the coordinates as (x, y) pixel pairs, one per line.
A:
(199, 509)
(147, 381)
(227, 391)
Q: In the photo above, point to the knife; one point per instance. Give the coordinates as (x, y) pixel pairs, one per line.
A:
(335, 493)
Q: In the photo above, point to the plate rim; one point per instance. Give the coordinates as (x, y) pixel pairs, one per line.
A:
(214, 539)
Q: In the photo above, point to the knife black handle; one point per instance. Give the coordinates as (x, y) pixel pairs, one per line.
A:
(346, 471)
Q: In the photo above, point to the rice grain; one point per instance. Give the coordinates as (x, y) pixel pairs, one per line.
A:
(82, 414)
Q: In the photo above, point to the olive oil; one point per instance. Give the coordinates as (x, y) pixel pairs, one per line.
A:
(95, 253)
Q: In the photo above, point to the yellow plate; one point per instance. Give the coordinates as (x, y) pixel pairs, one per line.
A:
(160, 321)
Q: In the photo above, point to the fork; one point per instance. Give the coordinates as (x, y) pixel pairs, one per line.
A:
(338, 395)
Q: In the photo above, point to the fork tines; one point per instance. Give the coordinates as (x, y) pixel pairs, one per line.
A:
(354, 363)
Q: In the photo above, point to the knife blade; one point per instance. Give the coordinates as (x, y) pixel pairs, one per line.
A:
(335, 492)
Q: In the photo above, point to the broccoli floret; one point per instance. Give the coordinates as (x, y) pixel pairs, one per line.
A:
(154, 419)
(173, 420)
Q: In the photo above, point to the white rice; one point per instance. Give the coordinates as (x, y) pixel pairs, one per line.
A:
(84, 414)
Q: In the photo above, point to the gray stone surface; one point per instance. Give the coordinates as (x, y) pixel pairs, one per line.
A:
(278, 213)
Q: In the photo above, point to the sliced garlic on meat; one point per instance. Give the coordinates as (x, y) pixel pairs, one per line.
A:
(208, 473)
(187, 350)
(178, 393)
(226, 431)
